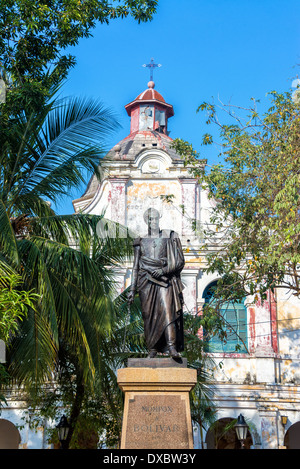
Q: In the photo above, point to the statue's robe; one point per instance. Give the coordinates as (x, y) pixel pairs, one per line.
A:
(161, 299)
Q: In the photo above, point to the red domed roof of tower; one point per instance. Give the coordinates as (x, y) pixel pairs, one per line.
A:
(150, 95)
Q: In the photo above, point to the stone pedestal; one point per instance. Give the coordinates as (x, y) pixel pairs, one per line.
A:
(157, 406)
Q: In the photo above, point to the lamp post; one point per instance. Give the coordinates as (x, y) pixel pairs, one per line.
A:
(241, 429)
(63, 430)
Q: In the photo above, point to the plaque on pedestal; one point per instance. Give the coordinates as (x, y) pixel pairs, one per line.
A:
(157, 407)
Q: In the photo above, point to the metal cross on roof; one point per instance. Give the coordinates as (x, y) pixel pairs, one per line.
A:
(151, 65)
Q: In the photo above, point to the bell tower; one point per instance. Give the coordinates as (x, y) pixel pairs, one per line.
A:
(149, 111)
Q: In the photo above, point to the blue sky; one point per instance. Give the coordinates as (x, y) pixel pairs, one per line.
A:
(228, 49)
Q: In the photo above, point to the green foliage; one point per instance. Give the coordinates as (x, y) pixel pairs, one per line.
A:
(4, 380)
(189, 154)
(255, 227)
(203, 410)
(47, 152)
(35, 33)
(14, 304)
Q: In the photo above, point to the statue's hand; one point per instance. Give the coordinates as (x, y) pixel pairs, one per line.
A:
(131, 296)
(157, 273)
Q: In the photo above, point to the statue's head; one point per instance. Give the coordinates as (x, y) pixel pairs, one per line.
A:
(151, 217)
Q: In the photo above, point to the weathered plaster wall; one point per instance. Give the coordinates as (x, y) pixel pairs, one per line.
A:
(142, 194)
(288, 323)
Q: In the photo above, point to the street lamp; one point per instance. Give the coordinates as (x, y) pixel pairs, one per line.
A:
(284, 420)
(63, 430)
(241, 429)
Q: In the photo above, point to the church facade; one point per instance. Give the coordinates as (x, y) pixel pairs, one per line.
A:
(261, 381)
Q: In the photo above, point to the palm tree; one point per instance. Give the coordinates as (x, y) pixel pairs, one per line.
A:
(43, 154)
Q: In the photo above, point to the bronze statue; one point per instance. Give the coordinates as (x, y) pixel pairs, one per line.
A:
(158, 262)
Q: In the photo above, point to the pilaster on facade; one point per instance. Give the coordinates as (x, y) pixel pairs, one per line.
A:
(189, 279)
(189, 201)
(262, 327)
(118, 199)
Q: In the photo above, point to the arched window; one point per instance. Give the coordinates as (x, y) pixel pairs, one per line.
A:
(235, 317)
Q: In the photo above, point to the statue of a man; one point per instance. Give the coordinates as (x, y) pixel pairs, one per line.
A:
(158, 262)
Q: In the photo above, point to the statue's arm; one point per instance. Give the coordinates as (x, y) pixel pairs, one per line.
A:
(135, 268)
(135, 271)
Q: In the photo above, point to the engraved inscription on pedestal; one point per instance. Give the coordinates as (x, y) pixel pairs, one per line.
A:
(157, 421)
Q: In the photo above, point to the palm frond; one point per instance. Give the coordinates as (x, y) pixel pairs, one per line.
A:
(7, 237)
(30, 355)
(36, 275)
(46, 154)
